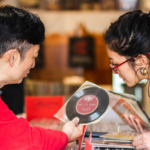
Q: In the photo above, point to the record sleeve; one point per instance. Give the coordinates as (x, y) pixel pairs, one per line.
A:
(90, 103)
(129, 105)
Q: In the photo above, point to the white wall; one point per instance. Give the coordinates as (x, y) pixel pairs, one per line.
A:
(66, 21)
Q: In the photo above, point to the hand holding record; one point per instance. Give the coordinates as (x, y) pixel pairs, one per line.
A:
(87, 104)
(72, 129)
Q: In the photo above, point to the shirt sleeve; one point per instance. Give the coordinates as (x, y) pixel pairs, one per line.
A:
(19, 135)
(49, 139)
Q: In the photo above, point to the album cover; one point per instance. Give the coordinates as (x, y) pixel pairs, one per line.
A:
(128, 104)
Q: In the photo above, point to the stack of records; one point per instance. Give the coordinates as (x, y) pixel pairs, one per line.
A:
(117, 137)
(98, 141)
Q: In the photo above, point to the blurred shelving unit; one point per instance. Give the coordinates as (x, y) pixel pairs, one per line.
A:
(66, 21)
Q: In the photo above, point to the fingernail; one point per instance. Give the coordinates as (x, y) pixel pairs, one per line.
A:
(77, 119)
(137, 121)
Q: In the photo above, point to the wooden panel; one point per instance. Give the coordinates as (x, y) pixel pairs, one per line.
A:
(56, 51)
(102, 73)
(56, 62)
(102, 60)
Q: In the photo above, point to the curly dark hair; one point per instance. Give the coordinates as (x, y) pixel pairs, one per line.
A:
(19, 29)
(130, 34)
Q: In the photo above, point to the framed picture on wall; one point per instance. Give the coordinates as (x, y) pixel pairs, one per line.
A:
(81, 52)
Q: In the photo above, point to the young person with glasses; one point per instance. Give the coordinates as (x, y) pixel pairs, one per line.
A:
(128, 47)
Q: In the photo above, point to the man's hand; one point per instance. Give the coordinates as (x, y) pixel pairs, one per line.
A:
(73, 130)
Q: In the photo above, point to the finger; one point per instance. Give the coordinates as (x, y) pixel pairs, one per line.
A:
(76, 120)
(138, 137)
(80, 129)
(137, 143)
(124, 118)
(146, 129)
(128, 121)
(140, 147)
(139, 125)
(134, 123)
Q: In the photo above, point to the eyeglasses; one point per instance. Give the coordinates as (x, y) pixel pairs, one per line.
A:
(115, 67)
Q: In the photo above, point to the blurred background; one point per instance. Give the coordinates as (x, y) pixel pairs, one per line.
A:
(73, 50)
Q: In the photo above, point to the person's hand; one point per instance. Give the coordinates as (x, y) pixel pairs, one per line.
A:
(141, 141)
(134, 123)
(73, 130)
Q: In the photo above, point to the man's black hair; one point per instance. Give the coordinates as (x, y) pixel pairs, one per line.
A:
(19, 29)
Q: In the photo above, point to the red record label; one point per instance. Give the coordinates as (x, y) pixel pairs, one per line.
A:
(87, 104)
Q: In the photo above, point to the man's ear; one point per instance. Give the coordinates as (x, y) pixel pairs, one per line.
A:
(141, 61)
(11, 56)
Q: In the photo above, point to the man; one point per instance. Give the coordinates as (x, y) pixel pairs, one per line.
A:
(21, 32)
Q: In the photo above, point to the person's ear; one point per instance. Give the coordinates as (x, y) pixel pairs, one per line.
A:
(141, 61)
(11, 56)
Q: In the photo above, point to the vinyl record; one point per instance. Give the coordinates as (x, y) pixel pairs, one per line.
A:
(87, 104)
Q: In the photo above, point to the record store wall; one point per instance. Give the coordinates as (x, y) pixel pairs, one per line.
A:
(60, 27)
(52, 64)
(56, 65)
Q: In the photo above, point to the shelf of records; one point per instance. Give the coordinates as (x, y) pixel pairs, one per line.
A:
(41, 88)
(83, 5)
